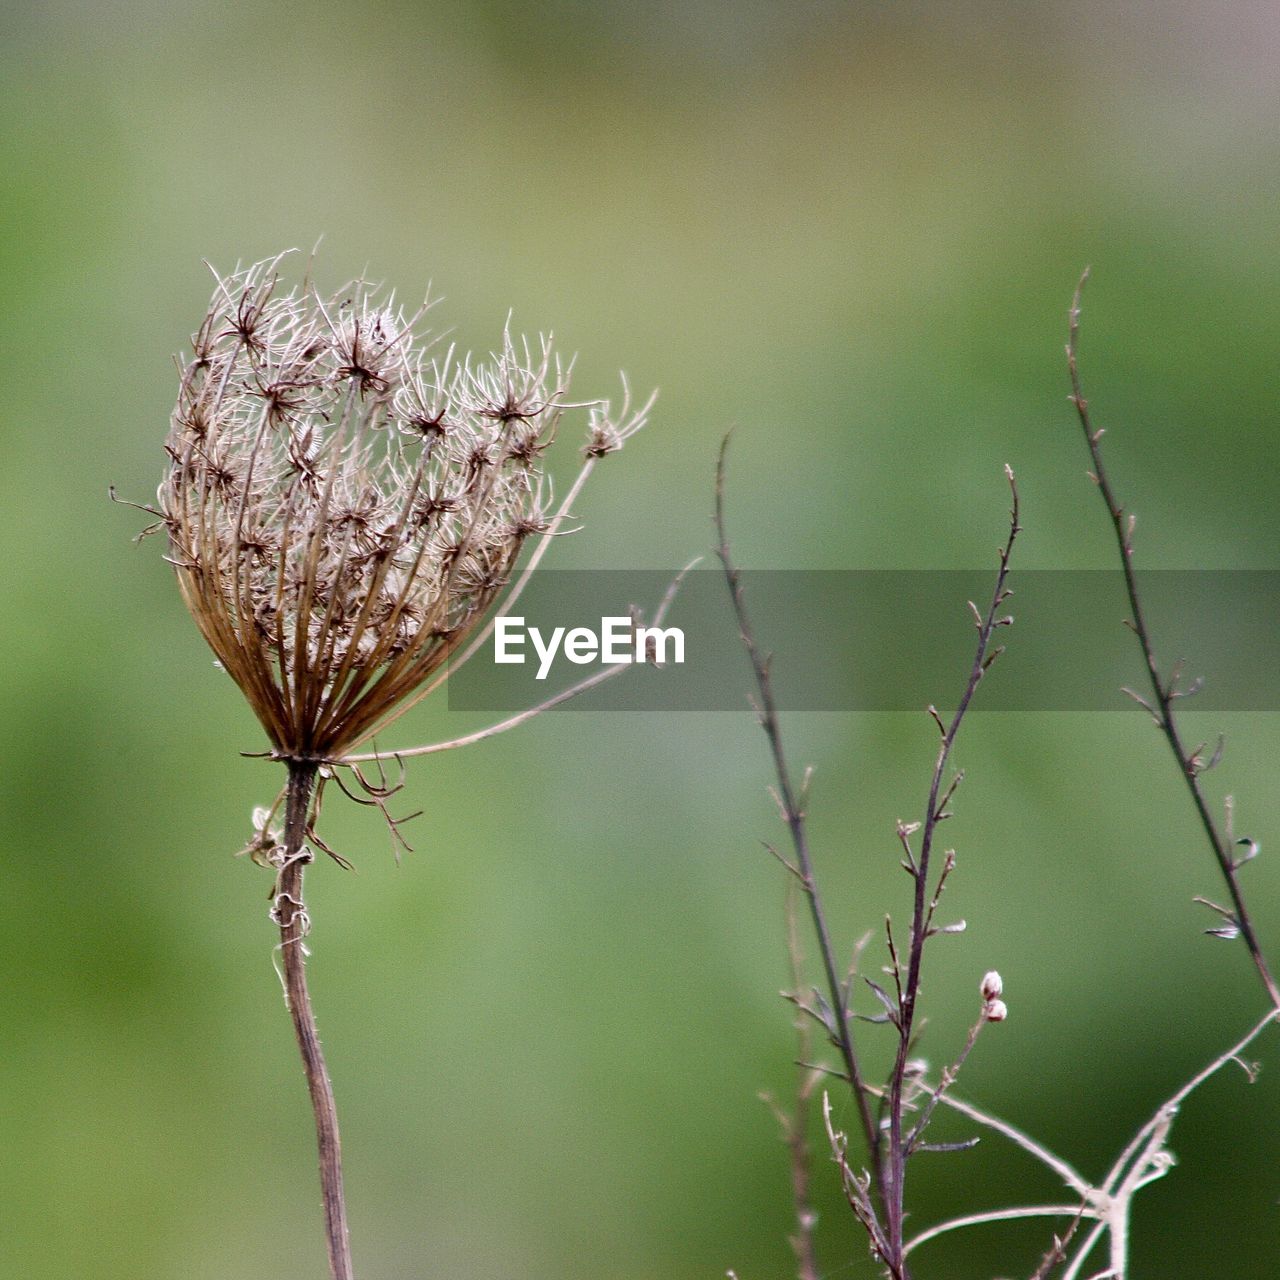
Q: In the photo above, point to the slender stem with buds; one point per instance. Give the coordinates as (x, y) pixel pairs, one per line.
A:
(290, 913)
(881, 1192)
(925, 900)
(794, 816)
(1164, 690)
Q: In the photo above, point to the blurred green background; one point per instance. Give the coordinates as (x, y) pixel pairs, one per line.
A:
(852, 230)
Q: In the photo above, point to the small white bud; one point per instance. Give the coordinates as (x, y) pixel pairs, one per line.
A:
(996, 1011)
(992, 986)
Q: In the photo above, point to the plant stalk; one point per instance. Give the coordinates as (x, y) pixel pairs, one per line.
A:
(290, 914)
(1164, 689)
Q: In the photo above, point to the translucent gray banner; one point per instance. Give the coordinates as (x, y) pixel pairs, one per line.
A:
(886, 640)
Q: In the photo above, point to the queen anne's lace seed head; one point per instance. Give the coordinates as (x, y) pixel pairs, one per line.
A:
(343, 507)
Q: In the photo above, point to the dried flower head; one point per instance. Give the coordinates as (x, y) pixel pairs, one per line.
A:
(343, 507)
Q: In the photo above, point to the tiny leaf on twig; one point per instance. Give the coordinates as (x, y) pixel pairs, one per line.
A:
(885, 999)
(1250, 851)
(1143, 703)
(790, 866)
(943, 1147)
(1228, 931)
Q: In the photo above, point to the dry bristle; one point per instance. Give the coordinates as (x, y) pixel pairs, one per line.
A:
(343, 507)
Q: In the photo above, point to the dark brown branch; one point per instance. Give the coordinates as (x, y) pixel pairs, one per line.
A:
(794, 816)
(1164, 691)
(290, 913)
(924, 903)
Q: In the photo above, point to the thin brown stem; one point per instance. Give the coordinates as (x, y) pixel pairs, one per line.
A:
(1165, 691)
(878, 1195)
(794, 816)
(900, 1144)
(915, 1137)
(290, 913)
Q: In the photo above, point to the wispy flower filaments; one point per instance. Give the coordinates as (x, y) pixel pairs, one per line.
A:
(344, 505)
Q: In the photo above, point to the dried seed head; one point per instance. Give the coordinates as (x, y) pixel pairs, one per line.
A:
(343, 509)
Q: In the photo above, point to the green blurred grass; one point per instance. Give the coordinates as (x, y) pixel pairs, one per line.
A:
(852, 232)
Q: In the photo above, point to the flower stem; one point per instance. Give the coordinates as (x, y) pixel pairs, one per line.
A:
(291, 915)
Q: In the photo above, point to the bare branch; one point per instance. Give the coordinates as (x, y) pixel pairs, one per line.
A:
(1164, 691)
(1109, 1205)
(993, 1215)
(795, 820)
(924, 902)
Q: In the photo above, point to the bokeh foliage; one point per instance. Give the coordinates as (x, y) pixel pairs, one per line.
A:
(850, 229)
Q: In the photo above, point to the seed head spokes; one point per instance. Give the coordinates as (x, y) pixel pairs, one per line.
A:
(344, 507)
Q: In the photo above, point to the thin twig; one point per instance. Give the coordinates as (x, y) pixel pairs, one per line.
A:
(949, 1074)
(290, 913)
(992, 1215)
(1056, 1253)
(794, 816)
(935, 809)
(1073, 1179)
(1164, 691)
(1107, 1205)
(1147, 1158)
(795, 1126)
